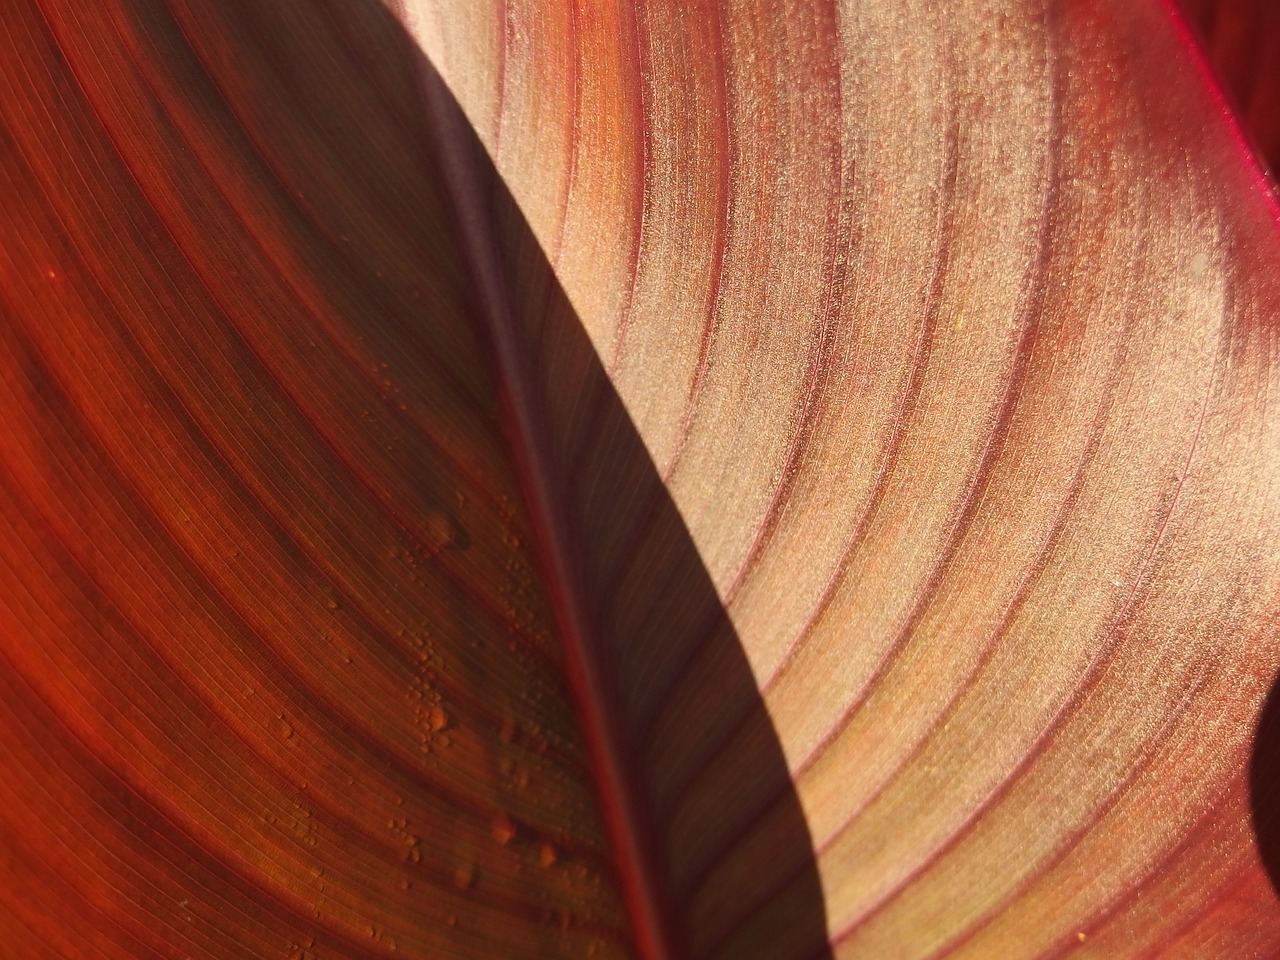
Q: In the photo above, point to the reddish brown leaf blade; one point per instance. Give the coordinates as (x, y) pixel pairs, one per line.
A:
(281, 676)
(325, 624)
(952, 338)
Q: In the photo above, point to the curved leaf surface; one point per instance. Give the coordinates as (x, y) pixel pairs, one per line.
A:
(315, 637)
(971, 324)
(349, 606)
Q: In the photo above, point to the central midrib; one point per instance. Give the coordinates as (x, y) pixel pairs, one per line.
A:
(633, 846)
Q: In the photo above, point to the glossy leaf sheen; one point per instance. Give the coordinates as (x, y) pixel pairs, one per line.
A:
(553, 479)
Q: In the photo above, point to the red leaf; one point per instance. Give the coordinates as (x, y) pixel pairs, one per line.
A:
(797, 479)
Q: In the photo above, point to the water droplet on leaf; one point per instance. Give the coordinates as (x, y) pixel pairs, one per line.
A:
(503, 830)
(464, 877)
(437, 719)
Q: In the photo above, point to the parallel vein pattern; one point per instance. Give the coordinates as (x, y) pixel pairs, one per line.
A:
(769, 478)
(953, 337)
(278, 679)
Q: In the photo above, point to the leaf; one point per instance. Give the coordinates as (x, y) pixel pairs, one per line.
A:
(321, 642)
(798, 479)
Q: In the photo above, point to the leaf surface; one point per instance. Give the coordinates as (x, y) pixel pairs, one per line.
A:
(540, 479)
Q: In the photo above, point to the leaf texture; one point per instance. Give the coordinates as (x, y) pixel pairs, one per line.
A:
(296, 610)
(770, 479)
(953, 335)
